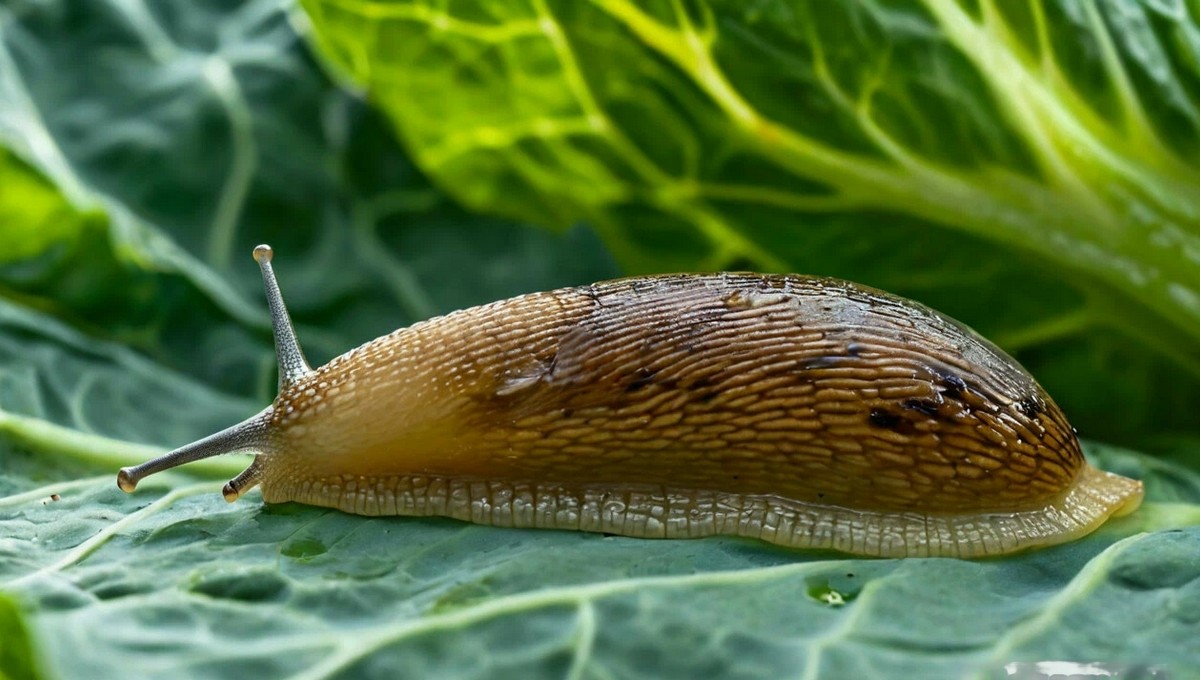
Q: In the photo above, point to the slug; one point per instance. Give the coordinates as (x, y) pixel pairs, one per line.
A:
(806, 412)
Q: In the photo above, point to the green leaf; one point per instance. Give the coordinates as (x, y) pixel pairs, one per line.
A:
(34, 214)
(1030, 168)
(174, 580)
(17, 659)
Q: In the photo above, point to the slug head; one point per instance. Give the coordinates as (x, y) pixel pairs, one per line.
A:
(254, 433)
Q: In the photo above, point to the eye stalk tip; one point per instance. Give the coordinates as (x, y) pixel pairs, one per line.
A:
(126, 481)
(229, 493)
(263, 253)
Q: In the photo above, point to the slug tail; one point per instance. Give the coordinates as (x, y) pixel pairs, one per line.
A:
(248, 435)
(292, 364)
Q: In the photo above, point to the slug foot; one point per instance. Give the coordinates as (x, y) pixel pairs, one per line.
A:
(680, 513)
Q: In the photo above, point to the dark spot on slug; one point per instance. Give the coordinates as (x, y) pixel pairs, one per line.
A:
(1029, 406)
(921, 405)
(703, 390)
(644, 378)
(952, 385)
(855, 348)
(822, 362)
(597, 297)
(883, 418)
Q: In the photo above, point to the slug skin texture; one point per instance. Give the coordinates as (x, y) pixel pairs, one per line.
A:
(807, 412)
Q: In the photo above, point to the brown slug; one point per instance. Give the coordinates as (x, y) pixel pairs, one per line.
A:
(806, 412)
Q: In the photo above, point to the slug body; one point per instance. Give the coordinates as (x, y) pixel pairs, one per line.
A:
(802, 411)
